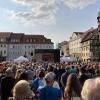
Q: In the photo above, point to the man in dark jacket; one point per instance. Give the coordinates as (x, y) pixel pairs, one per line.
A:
(7, 84)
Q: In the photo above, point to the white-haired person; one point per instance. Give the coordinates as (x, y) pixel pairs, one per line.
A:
(22, 91)
(49, 92)
(91, 89)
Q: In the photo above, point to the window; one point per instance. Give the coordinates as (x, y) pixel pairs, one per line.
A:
(31, 40)
(2, 39)
(43, 40)
(25, 52)
(10, 46)
(4, 45)
(32, 46)
(12, 40)
(34, 40)
(0, 53)
(27, 40)
(4, 52)
(13, 46)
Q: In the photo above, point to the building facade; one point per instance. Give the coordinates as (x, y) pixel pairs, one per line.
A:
(13, 45)
(75, 44)
(64, 48)
(90, 46)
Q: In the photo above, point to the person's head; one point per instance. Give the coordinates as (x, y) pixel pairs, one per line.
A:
(82, 70)
(91, 89)
(9, 72)
(22, 90)
(50, 77)
(73, 84)
(23, 76)
(50, 68)
(73, 67)
(41, 74)
(18, 72)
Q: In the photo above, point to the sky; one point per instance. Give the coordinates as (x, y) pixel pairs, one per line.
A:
(56, 19)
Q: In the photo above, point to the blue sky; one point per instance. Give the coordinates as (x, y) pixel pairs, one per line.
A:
(56, 19)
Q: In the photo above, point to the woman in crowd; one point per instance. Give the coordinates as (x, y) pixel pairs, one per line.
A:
(73, 88)
(22, 91)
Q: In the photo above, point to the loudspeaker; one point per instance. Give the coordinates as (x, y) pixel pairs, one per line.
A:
(56, 55)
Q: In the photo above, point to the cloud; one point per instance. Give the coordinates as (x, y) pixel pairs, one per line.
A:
(24, 2)
(40, 11)
(44, 11)
(41, 18)
(78, 4)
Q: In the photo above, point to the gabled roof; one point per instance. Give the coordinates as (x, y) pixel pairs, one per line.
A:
(63, 43)
(79, 33)
(88, 35)
(76, 35)
(11, 37)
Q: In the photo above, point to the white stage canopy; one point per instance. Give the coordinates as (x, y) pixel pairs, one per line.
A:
(21, 59)
(68, 59)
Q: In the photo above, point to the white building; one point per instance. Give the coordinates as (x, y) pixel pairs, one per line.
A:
(13, 45)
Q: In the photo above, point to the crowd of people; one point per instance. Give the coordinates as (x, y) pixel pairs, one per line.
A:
(49, 81)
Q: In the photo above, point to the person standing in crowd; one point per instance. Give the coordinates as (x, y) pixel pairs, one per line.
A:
(82, 75)
(55, 83)
(18, 72)
(23, 76)
(73, 88)
(61, 71)
(91, 89)
(22, 91)
(63, 79)
(48, 92)
(73, 70)
(39, 81)
(7, 84)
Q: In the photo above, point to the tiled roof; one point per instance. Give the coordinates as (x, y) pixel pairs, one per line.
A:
(5, 34)
(82, 34)
(63, 43)
(16, 35)
(88, 35)
(79, 33)
(36, 39)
